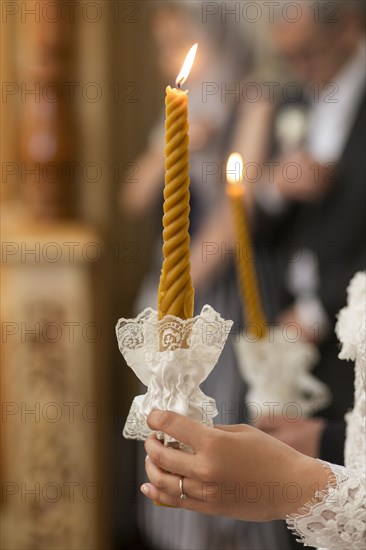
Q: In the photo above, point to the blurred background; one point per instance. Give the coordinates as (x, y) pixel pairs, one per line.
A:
(82, 160)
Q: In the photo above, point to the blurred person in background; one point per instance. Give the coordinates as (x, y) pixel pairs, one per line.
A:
(224, 56)
(308, 214)
(309, 224)
(308, 231)
(319, 216)
(176, 27)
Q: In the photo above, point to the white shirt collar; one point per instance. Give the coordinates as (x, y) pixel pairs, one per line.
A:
(332, 114)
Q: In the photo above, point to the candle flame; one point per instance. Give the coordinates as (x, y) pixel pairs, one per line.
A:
(234, 169)
(187, 66)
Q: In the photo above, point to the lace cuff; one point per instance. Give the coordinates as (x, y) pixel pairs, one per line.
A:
(172, 357)
(336, 518)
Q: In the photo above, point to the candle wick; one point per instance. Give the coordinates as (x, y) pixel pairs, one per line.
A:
(180, 82)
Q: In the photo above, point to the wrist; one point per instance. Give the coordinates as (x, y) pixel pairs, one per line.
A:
(311, 477)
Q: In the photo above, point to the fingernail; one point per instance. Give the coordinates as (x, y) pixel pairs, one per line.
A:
(145, 489)
(146, 458)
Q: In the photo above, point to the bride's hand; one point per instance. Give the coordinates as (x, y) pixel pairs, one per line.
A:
(236, 471)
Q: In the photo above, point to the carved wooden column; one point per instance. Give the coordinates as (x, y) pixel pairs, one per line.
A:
(48, 139)
(51, 333)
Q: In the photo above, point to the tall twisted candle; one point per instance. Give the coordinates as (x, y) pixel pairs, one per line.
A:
(246, 270)
(176, 293)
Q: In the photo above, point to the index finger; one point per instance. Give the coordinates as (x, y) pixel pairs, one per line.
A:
(170, 460)
(180, 427)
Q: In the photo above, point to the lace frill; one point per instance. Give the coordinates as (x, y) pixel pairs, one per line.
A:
(278, 371)
(336, 518)
(172, 357)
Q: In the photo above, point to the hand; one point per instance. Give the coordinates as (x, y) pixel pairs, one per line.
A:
(303, 435)
(313, 332)
(235, 471)
(298, 177)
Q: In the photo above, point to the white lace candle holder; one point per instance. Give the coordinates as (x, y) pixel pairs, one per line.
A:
(172, 357)
(277, 372)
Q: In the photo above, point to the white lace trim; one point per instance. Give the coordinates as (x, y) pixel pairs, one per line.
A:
(350, 318)
(172, 357)
(279, 371)
(336, 518)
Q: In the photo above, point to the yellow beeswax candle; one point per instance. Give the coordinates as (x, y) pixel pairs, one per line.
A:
(245, 266)
(176, 293)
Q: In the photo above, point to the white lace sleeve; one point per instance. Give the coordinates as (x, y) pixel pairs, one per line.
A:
(336, 518)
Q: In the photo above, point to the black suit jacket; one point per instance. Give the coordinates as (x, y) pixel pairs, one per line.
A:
(334, 228)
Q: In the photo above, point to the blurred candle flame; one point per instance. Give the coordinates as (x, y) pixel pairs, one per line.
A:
(234, 169)
(187, 66)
